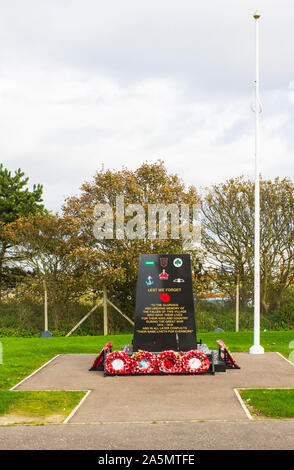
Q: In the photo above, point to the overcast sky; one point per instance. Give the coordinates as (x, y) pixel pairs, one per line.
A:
(89, 82)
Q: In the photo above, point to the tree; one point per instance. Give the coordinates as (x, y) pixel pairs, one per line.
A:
(46, 245)
(113, 262)
(16, 200)
(228, 236)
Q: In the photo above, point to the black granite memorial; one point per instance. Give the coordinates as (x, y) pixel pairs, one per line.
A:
(164, 314)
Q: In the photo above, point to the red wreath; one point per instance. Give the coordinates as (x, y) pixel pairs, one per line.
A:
(187, 362)
(169, 362)
(111, 366)
(143, 362)
(99, 360)
(230, 357)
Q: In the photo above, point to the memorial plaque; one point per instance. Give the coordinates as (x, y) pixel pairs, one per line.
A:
(164, 317)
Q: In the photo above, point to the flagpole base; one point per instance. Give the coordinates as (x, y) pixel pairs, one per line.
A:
(256, 349)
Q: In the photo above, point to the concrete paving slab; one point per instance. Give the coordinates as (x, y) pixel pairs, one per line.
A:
(160, 398)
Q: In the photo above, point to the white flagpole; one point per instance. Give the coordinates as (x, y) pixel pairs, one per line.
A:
(257, 348)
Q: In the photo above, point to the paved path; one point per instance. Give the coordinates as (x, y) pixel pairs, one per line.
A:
(141, 399)
(173, 436)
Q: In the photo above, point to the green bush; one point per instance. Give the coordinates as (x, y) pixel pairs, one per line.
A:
(209, 318)
(287, 314)
(26, 319)
(18, 332)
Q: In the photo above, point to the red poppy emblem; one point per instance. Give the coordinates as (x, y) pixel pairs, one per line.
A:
(164, 297)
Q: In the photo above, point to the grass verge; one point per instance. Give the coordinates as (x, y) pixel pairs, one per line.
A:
(37, 407)
(269, 403)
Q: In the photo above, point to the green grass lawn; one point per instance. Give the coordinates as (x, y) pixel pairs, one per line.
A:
(276, 403)
(21, 356)
(38, 405)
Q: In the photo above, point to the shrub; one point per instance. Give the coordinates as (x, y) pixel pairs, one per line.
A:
(287, 314)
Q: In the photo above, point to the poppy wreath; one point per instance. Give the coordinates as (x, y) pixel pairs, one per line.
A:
(169, 362)
(221, 344)
(99, 360)
(195, 362)
(143, 362)
(230, 357)
(117, 362)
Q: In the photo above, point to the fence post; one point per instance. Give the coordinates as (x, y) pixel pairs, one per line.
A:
(45, 307)
(237, 302)
(105, 316)
(46, 333)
